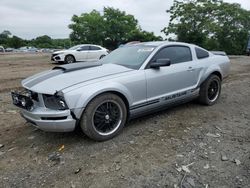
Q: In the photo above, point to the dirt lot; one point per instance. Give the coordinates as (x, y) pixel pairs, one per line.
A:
(186, 146)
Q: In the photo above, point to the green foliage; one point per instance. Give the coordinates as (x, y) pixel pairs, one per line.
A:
(40, 42)
(4, 37)
(87, 28)
(111, 29)
(43, 42)
(118, 26)
(15, 42)
(212, 24)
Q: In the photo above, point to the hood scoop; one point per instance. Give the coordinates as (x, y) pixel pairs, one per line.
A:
(77, 66)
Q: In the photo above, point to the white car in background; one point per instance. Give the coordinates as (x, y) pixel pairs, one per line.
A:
(83, 52)
(2, 49)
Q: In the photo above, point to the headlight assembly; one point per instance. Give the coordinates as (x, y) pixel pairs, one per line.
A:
(54, 102)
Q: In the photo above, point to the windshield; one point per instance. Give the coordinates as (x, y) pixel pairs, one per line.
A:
(74, 47)
(129, 56)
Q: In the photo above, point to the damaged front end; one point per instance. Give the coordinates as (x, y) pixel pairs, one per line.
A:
(46, 112)
(24, 99)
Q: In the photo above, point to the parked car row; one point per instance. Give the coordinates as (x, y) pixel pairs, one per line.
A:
(27, 49)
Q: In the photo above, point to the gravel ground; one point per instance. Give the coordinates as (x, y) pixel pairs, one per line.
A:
(186, 146)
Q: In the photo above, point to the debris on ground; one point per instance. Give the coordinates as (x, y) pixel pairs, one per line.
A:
(217, 135)
(180, 155)
(184, 168)
(131, 142)
(237, 161)
(77, 170)
(1, 145)
(206, 166)
(224, 158)
(55, 157)
(61, 148)
(31, 137)
(11, 149)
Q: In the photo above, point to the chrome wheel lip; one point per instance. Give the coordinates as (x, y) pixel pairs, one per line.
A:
(116, 127)
(217, 92)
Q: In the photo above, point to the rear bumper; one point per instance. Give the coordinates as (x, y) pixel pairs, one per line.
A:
(50, 120)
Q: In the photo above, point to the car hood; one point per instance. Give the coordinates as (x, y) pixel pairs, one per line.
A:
(63, 51)
(60, 78)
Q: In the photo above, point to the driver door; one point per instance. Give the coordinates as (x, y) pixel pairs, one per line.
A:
(82, 53)
(180, 76)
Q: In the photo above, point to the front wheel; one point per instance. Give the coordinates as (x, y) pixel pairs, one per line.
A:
(69, 59)
(104, 117)
(210, 90)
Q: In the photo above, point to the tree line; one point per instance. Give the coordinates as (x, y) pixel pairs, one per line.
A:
(212, 24)
(7, 40)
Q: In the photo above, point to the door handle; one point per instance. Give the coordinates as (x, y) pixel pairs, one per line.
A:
(191, 69)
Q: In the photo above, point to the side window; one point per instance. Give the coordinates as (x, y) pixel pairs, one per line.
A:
(177, 54)
(84, 48)
(201, 53)
(94, 48)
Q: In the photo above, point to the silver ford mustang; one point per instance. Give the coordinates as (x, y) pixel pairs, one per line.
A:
(133, 80)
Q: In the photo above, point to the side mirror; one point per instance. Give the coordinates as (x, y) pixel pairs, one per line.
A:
(160, 63)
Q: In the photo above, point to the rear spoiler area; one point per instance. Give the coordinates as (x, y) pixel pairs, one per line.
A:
(219, 53)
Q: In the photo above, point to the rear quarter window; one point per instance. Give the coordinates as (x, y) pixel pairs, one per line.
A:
(94, 48)
(201, 54)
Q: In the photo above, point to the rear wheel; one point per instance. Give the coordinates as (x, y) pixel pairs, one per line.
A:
(69, 59)
(104, 117)
(210, 90)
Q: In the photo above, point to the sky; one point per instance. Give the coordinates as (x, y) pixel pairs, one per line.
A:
(29, 18)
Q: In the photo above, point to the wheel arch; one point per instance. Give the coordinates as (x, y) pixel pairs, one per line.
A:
(217, 73)
(102, 56)
(119, 94)
(85, 98)
(70, 55)
(214, 69)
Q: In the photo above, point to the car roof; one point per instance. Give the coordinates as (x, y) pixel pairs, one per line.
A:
(88, 45)
(160, 43)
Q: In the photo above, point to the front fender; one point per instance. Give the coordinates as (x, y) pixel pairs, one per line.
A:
(80, 97)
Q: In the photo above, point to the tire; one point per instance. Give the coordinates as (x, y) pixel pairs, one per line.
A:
(102, 56)
(69, 59)
(210, 90)
(104, 117)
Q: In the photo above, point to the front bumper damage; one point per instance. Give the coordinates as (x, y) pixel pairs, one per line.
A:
(50, 120)
(44, 118)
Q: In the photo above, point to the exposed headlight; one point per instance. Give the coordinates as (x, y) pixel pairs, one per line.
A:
(54, 102)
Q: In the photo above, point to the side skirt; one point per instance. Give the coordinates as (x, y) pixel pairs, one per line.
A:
(159, 107)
